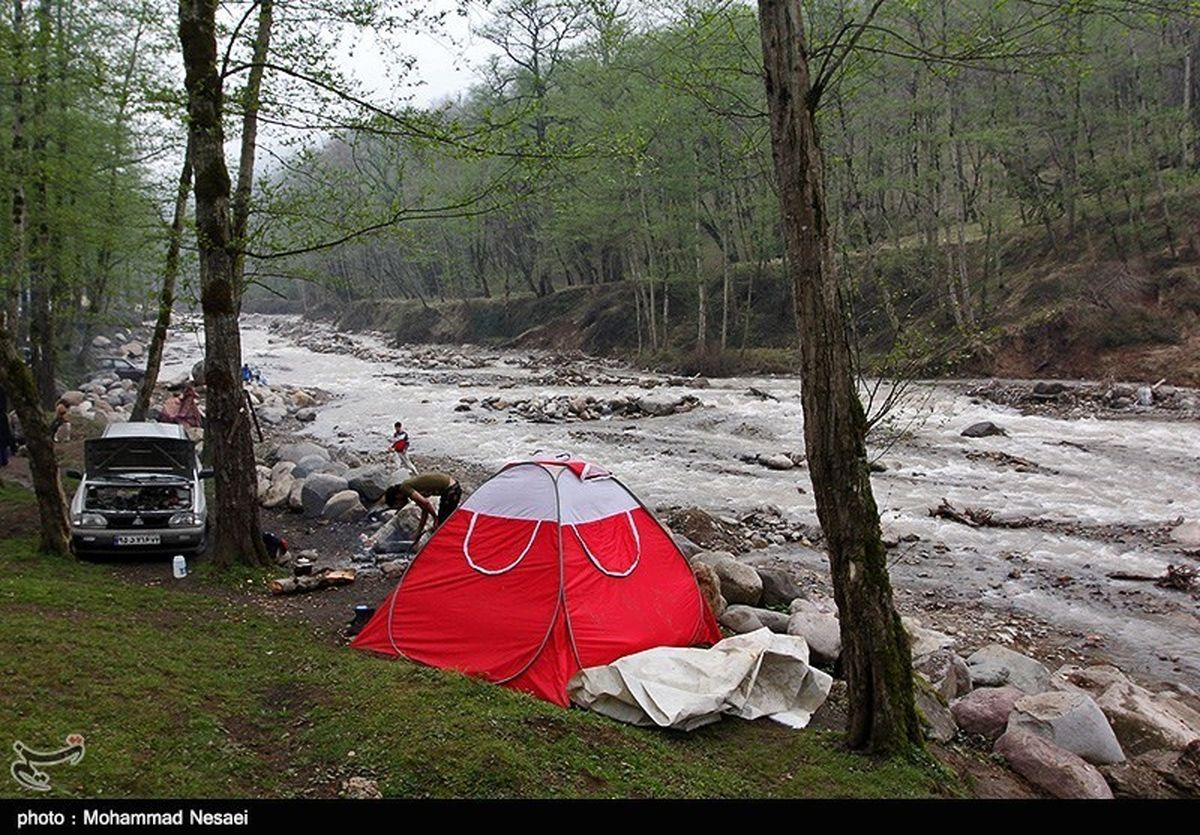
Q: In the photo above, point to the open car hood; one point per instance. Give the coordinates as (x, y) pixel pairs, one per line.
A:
(130, 456)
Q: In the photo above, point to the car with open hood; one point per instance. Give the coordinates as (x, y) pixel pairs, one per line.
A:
(141, 491)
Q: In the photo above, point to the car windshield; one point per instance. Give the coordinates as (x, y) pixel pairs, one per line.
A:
(143, 498)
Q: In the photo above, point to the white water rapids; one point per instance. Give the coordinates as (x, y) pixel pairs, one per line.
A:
(1140, 471)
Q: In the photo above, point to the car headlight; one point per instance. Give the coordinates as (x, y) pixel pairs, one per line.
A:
(187, 519)
(90, 520)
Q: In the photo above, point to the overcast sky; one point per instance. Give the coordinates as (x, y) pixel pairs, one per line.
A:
(445, 56)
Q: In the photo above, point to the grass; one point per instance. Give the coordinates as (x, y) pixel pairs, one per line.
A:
(179, 693)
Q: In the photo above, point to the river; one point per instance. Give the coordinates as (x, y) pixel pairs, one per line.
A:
(1089, 473)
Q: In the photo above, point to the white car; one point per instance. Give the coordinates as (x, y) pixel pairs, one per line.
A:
(141, 492)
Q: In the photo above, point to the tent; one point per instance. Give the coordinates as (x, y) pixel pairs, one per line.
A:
(550, 566)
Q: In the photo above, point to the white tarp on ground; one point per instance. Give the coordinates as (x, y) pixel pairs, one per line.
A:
(752, 675)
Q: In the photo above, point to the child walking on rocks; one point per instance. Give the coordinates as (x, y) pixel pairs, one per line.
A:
(400, 447)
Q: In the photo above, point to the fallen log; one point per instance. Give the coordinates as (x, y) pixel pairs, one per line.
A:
(326, 579)
(1176, 577)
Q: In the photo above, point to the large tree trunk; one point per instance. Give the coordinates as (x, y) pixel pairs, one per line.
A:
(16, 379)
(875, 651)
(237, 536)
(166, 298)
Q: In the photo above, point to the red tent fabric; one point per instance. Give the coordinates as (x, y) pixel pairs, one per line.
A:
(550, 566)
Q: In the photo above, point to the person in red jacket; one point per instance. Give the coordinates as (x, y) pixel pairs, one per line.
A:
(400, 446)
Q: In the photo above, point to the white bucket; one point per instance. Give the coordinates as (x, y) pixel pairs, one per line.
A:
(179, 566)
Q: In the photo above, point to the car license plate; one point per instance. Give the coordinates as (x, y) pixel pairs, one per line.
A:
(140, 539)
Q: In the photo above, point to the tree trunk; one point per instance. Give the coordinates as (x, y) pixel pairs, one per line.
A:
(237, 537)
(16, 379)
(875, 649)
(166, 298)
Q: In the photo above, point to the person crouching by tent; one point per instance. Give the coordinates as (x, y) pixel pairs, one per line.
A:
(419, 489)
(400, 446)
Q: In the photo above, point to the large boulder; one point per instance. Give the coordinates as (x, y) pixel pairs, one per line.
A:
(983, 429)
(317, 490)
(368, 482)
(995, 666)
(779, 588)
(73, 397)
(298, 451)
(1142, 720)
(821, 632)
(1072, 721)
(1187, 534)
(946, 671)
(302, 399)
(310, 464)
(985, 711)
(264, 482)
(685, 545)
(749, 618)
(271, 415)
(1052, 769)
(740, 583)
(279, 491)
(134, 349)
(198, 373)
(283, 468)
(924, 640)
(101, 342)
(710, 586)
(937, 722)
(344, 506)
(740, 619)
(710, 558)
(820, 605)
(778, 461)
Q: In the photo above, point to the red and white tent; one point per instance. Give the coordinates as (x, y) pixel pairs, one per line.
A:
(550, 566)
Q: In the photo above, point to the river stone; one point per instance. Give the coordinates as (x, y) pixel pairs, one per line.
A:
(310, 464)
(271, 415)
(779, 587)
(821, 632)
(741, 619)
(740, 583)
(101, 342)
(996, 666)
(134, 349)
(73, 397)
(710, 586)
(1048, 389)
(344, 506)
(295, 499)
(1072, 721)
(1142, 720)
(264, 481)
(1050, 768)
(317, 489)
(282, 468)
(983, 429)
(298, 451)
(198, 373)
(936, 720)
(277, 494)
(816, 605)
(368, 482)
(710, 558)
(1187, 534)
(777, 622)
(946, 671)
(778, 461)
(657, 406)
(923, 640)
(688, 548)
(306, 415)
(302, 399)
(985, 711)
